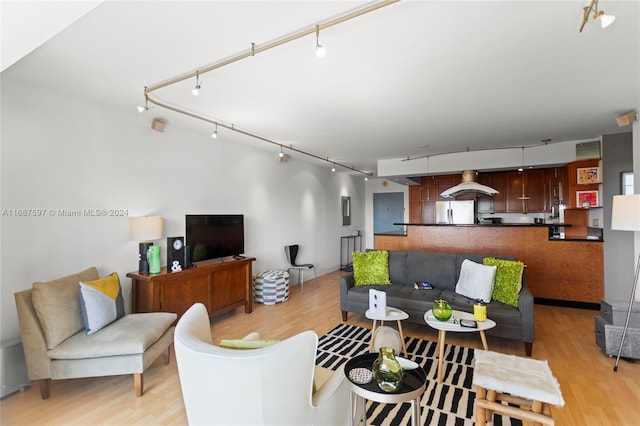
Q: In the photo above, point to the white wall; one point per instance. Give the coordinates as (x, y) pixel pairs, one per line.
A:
(60, 152)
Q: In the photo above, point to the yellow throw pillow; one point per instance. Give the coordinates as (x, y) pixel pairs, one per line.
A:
(101, 302)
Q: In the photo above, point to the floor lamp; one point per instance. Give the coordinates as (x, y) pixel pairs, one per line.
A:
(625, 216)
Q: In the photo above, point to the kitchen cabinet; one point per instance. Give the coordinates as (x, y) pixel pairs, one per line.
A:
(526, 191)
(557, 182)
(497, 202)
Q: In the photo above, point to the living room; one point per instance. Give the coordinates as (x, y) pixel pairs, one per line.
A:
(66, 151)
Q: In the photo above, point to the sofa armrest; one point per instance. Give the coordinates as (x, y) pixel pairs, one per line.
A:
(347, 281)
(525, 306)
(33, 340)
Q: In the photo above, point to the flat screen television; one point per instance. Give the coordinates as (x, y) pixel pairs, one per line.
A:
(211, 236)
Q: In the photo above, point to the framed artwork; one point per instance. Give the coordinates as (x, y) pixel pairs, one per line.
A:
(588, 175)
(346, 210)
(584, 197)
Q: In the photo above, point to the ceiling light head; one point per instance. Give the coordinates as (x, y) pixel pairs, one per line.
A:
(598, 15)
(196, 90)
(145, 107)
(214, 135)
(333, 169)
(321, 52)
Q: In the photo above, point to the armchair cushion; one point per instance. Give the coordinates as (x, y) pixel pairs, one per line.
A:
(117, 339)
(247, 343)
(57, 305)
(101, 302)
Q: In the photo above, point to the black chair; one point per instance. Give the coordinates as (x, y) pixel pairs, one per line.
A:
(292, 252)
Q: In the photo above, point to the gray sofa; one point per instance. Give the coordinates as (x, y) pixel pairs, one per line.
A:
(442, 271)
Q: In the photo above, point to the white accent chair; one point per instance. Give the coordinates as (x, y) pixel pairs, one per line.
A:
(268, 386)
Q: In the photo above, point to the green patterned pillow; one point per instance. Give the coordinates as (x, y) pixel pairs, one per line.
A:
(371, 267)
(508, 280)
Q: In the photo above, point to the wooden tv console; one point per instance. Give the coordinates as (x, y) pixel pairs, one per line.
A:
(220, 284)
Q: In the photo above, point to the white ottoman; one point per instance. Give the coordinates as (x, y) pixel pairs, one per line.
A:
(271, 287)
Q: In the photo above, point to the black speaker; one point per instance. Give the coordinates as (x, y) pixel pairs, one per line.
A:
(187, 257)
(175, 254)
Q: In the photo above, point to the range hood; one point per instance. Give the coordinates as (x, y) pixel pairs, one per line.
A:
(469, 185)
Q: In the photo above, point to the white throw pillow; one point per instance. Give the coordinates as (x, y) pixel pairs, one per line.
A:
(476, 281)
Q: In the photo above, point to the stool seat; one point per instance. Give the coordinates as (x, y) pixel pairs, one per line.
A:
(523, 381)
(271, 287)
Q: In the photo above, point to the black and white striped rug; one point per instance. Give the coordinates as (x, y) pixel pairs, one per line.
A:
(450, 403)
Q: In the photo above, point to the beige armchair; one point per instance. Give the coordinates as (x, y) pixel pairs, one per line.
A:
(56, 346)
(268, 386)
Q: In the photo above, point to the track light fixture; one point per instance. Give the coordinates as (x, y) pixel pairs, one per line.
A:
(321, 52)
(145, 107)
(598, 15)
(215, 132)
(281, 155)
(333, 169)
(196, 90)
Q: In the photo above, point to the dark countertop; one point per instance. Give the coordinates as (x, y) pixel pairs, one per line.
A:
(401, 233)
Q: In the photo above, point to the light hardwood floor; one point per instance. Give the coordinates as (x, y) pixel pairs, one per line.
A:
(593, 393)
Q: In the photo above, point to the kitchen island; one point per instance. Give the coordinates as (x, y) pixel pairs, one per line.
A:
(563, 270)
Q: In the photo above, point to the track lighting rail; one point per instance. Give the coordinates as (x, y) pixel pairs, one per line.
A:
(252, 51)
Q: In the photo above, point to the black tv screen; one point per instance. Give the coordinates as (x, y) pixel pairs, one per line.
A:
(214, 236)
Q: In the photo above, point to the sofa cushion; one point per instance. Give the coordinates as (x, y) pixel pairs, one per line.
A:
(508, 280)
(398, 266)
(435, 268)
(476, 281)
(371, 267)
(57, 305)
(130, 335)
(101, 302)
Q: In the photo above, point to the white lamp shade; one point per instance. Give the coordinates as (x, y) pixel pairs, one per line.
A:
(145, 228)
(625, 214)
(607, 20)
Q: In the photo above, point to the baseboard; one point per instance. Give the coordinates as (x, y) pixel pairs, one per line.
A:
(567, 303)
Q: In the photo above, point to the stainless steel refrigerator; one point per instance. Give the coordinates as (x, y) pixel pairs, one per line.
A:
(455, 212)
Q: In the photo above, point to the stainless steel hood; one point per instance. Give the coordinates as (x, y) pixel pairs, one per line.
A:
(469, 185)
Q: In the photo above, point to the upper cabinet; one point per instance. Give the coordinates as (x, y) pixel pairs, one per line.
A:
(531, 191)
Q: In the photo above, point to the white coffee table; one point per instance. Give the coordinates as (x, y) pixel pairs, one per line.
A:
(393, 314)
(451, 325)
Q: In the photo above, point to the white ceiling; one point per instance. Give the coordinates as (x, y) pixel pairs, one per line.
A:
(413, 78)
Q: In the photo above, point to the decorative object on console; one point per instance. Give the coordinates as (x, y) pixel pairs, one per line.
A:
(587, 199)
(176, 259)
(145, 230)
(625, 216)
(153, 257)
(378, 302)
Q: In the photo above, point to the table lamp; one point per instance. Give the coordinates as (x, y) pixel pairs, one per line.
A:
(145, 229)
(625, 216)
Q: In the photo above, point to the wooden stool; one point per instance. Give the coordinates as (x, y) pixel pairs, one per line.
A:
(525, 382)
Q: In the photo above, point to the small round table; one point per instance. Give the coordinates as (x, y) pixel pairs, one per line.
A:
(393, 314)
(452, 325)
(414, 385)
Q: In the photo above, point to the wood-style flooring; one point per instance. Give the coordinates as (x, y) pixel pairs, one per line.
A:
(593, 393)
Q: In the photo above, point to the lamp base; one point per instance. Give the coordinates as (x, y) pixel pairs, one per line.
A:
(143, 264)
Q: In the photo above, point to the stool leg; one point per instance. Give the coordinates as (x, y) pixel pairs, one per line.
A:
(491, 396)
(481, 419)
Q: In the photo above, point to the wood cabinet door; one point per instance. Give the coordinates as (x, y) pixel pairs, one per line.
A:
(536, 189)
(499, 183)
(177, 295)
(429, 212)
(515, 189)
(227, 287)
(428, 189)
(444, 182)
(415, 212)
(415, 194)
